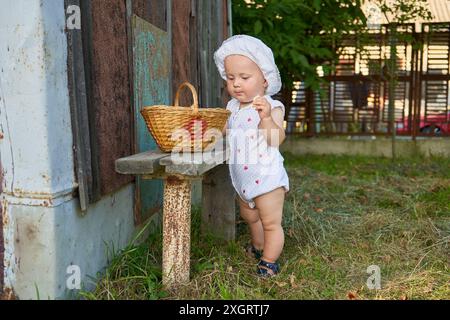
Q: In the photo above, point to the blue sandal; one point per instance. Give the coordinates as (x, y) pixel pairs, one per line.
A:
(252, 251)
(267, 269)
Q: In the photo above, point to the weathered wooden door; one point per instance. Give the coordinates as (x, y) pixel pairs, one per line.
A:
(151, 69)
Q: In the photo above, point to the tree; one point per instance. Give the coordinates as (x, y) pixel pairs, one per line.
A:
(396, 13)
(302, 33)
(306, 34)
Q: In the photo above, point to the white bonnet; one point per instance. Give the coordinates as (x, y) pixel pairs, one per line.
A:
(255, 50)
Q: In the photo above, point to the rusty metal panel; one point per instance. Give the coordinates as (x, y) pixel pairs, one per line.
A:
(176, 232)
(151, 69)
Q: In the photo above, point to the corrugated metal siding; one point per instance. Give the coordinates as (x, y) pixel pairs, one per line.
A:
(440, 9)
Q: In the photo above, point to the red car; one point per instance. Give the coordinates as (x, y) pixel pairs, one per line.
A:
(437, 125)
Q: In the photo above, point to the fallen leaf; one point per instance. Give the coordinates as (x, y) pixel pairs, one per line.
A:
(352, 295)
(292, 280)
(429, 288)
(290, 232)
(281, 284)
(318, 210)
(302, 261)
(404, 297)
(364, 246)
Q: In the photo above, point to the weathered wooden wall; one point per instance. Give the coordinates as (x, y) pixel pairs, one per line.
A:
(111, 116)
(154, 11)
(197, 28)
(184, 61)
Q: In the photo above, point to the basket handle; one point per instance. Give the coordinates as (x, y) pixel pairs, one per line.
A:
(194, 95)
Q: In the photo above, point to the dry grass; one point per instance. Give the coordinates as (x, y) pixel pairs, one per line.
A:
(342, 215)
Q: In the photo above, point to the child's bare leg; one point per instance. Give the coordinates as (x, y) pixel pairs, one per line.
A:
(251, 216)
(270, 207)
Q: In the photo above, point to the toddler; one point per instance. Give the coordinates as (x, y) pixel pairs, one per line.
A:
(255, 131)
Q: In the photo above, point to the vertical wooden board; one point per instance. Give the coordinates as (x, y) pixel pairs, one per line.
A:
(111, 106)
(153, 11)
(218, 205)
(193, 43)
(79, 113)
(181, 53)
(210, 22)
(151, 63)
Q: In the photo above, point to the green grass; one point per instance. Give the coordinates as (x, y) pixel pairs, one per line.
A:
(342, 215)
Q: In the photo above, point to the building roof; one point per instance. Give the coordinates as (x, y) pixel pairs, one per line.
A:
(440, 10)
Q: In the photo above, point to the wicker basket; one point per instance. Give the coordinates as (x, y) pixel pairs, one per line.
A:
(164, 123)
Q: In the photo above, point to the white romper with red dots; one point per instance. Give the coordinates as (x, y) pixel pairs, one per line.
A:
(255, 167)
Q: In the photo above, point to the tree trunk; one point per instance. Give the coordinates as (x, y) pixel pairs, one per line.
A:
(392, 83)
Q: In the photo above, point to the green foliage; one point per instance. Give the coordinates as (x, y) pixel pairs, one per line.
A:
(302, 33)
(402, 11)
(305, 34)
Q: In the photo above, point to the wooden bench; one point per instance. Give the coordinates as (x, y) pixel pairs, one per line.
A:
(178, 171)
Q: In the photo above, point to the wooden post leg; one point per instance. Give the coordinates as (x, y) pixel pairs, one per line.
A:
(218, 205)
(176, 232)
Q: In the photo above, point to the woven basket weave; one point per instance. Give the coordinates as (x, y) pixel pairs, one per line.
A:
(164, 124)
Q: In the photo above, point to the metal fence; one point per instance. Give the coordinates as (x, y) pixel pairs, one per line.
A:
(354, 99)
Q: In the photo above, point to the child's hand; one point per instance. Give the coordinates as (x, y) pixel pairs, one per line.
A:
(262, 106)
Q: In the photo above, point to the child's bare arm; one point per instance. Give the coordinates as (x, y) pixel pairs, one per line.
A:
(273, 129)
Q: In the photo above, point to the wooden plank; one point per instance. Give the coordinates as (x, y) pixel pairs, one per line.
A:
(129, 9)
(203, 39)
(111, 104)
(88, 51)
(193, 164)
(152, 64)
(153, 11)
(141, 163)
(193, 44)
(181, 52)
(210, 34)
(79, 112)
(218, 205)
